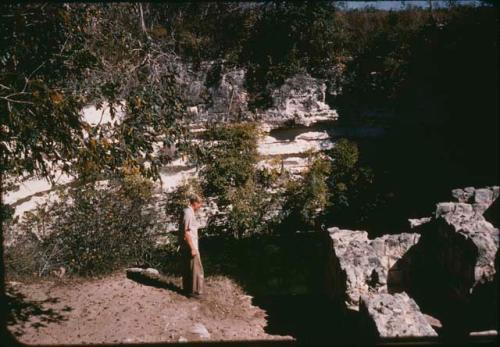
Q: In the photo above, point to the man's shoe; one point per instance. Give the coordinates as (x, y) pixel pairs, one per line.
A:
(198, 296)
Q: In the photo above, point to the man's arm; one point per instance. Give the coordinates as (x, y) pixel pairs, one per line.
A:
(187, 234)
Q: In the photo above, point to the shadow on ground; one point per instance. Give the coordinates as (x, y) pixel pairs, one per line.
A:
(285, 277)
(21, 311)
(308, 318)
(161, 282)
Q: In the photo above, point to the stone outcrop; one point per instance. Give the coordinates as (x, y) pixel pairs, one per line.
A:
(212, 91)
(387, 315)
(229, 95)
(480, 199)
(452, 270)
(448, 266)
(460, 228)
(300, 100)
(216, 92)
(359, 266)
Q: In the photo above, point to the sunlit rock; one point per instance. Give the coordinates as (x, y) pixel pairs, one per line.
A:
(300, 100)
(393, 315)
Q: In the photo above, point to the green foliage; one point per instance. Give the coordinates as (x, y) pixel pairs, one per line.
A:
(287, 38)
(249, 206)
(178, 200)
(346, 157)
(349, 184)
(229, 154)
(230, 175)
(335, 190)
(39, 115)
(58, 58)
(90, 230)
(308, 197)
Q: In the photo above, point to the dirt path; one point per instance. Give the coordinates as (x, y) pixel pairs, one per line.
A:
(117, 309)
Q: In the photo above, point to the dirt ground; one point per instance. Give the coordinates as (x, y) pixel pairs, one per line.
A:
(116, 309)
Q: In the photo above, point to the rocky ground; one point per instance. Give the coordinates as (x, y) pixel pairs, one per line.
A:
(116, 309)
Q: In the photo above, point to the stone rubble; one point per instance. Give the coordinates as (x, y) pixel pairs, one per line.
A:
(456, 245)
(464, 226)
(453, 269)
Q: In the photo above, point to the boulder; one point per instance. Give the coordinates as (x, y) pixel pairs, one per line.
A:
(392, 251)
(149, 272)
(451, 271)
(148, 276)
(449, 267)
(468, 244)
(393, 315)
(358, 266)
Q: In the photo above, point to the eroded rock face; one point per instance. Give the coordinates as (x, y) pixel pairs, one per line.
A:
(452, 269)
(218, 93)
(466, 228)
(360, 266)
(391, 250)
(212, 91)
(394, 315)
(228, 95)
(449, 267)
(480, 198)
(300, 100)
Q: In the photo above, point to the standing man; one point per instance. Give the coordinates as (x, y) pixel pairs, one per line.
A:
(192, 277)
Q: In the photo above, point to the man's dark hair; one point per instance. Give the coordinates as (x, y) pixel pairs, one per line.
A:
(194, 198)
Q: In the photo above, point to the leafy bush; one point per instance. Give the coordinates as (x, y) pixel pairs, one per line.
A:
(230, 175)
(91, 230)
(249, 207)
(309, 196)
(349, 184)
(229, 155)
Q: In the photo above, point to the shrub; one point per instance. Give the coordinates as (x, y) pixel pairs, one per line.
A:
(91, 229)
(249, 206)
(307, 197)
(229, 155)
(349, 184)
(230, 175)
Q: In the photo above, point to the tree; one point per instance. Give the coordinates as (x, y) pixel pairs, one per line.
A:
(60, 57)
(40, 124)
